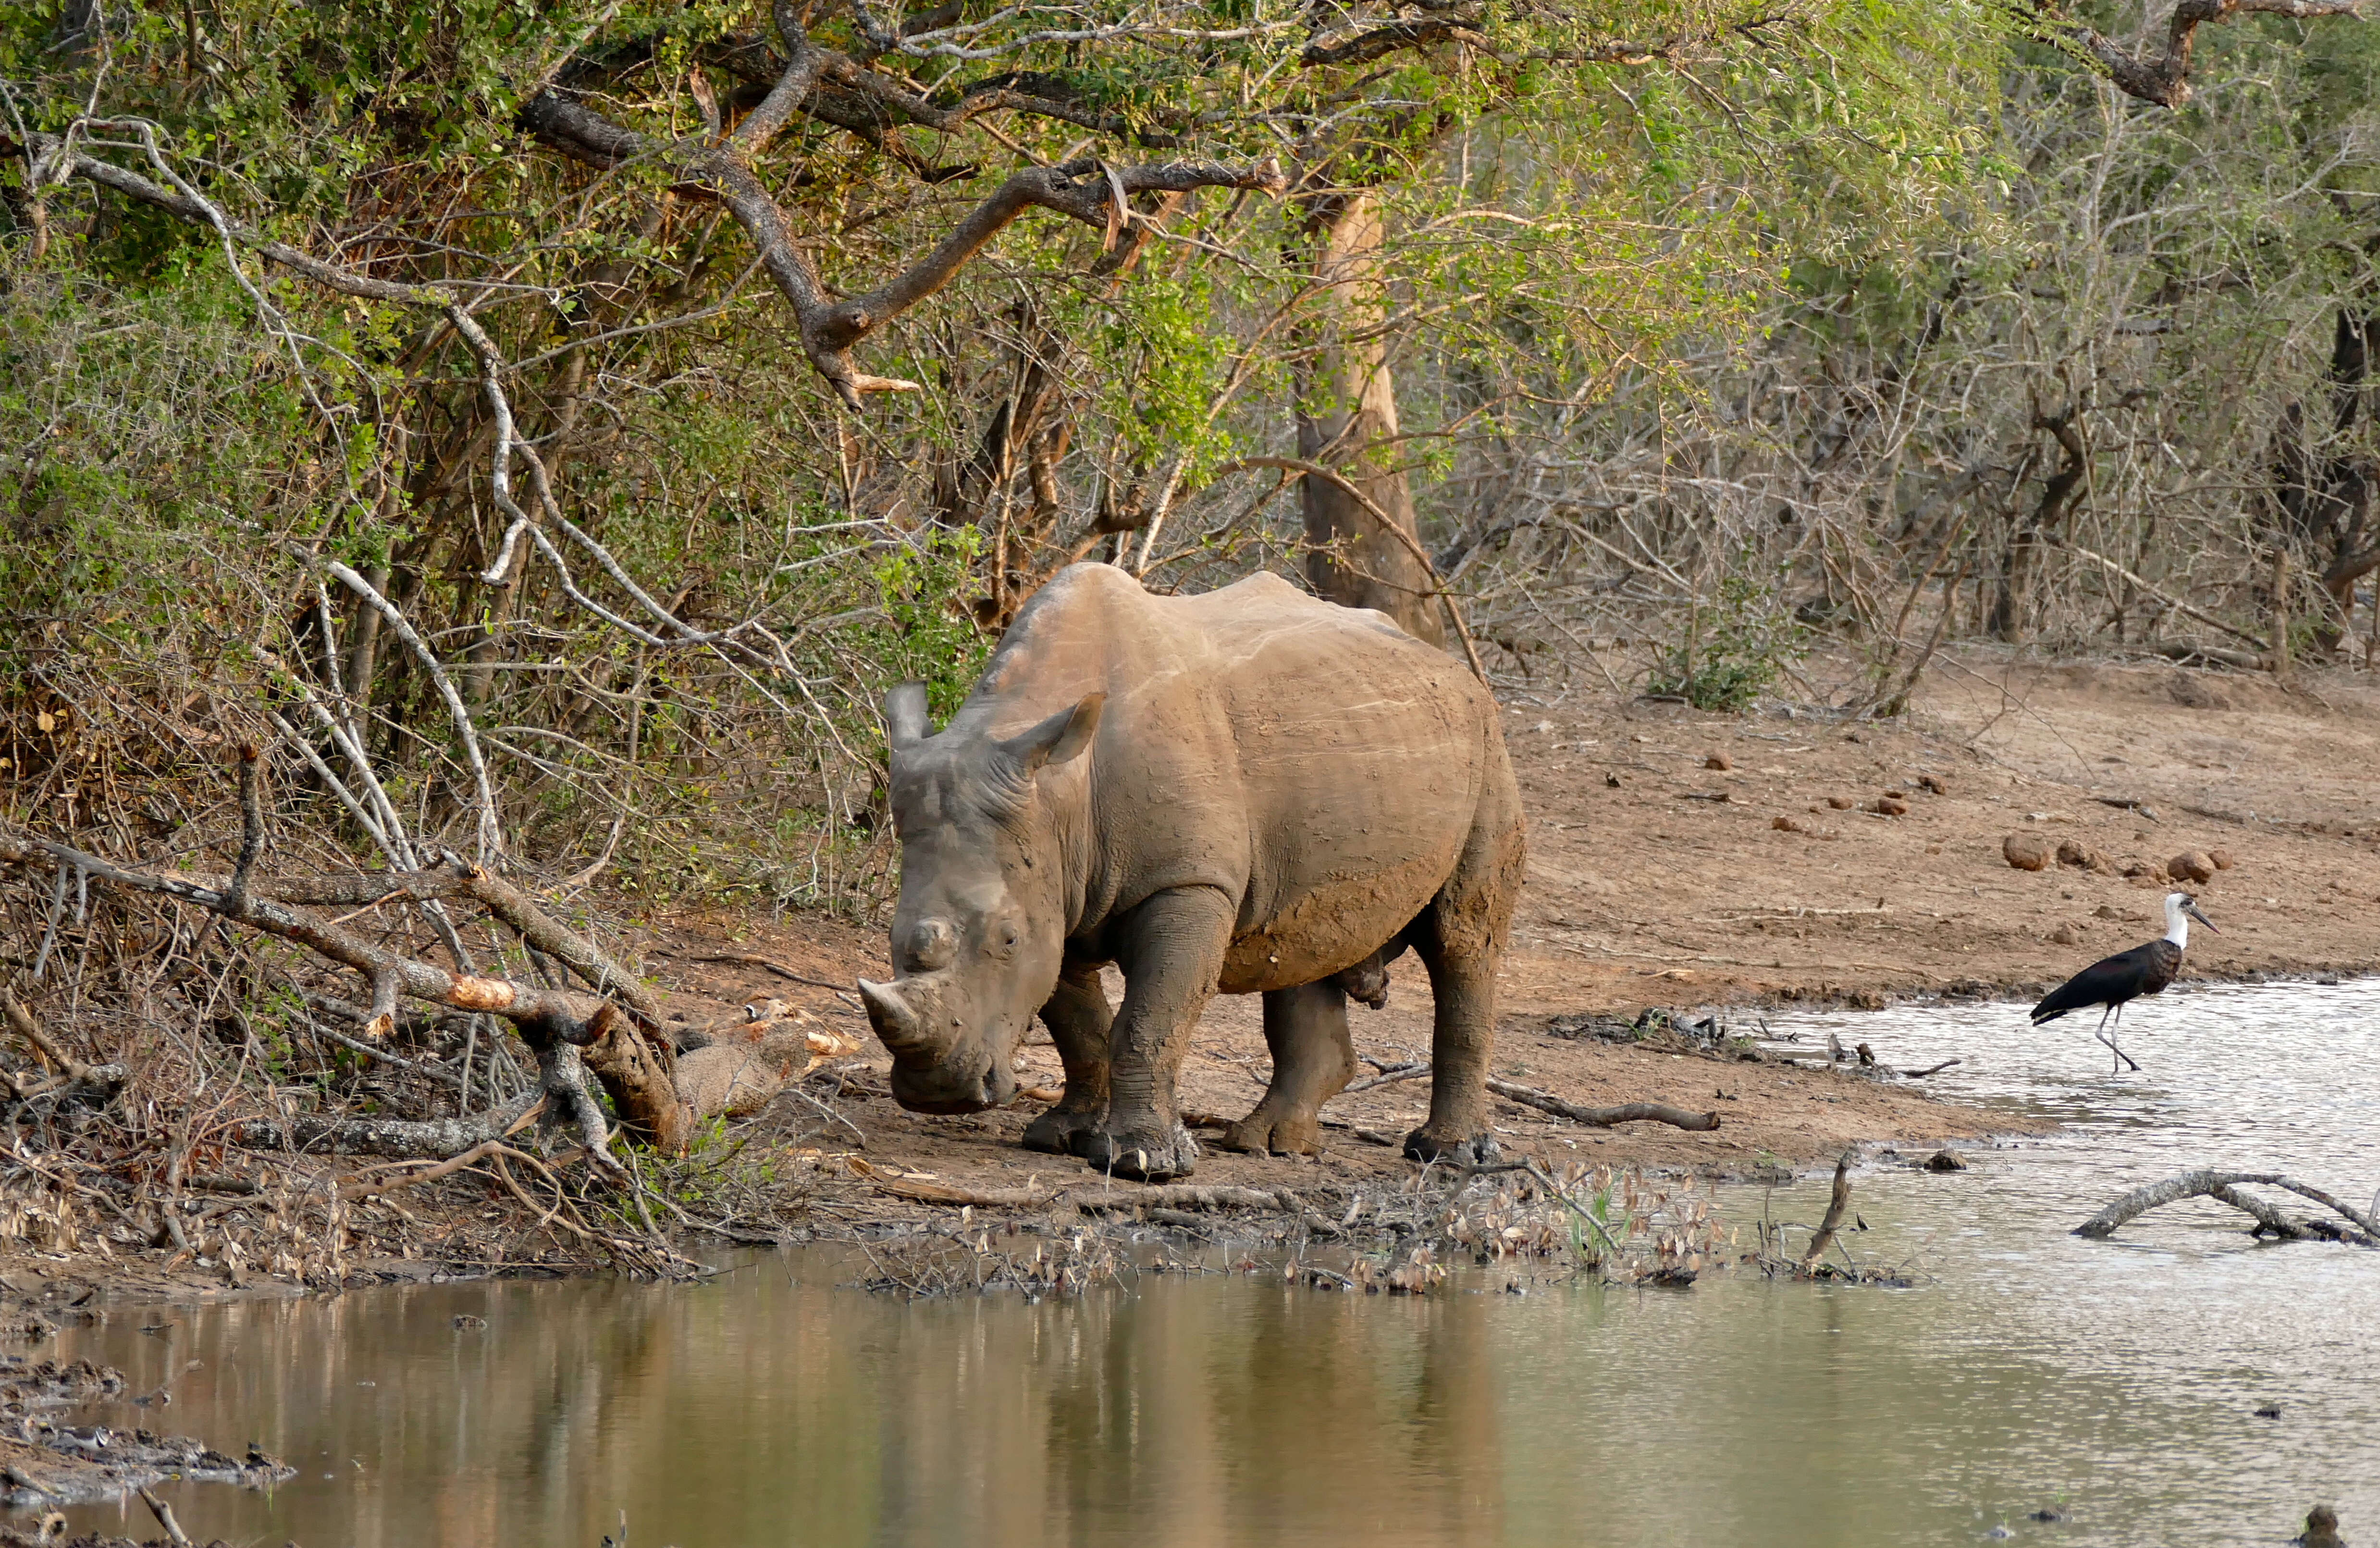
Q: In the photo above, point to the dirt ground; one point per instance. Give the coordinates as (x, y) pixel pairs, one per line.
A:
(1645, 889)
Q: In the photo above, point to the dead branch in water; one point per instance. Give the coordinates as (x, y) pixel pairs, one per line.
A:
(1838, 1205)
(2224, 1188)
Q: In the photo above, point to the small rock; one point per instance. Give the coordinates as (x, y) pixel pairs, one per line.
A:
(2222, 859)
(2047, 1514)
(1888, 806)
(1896, 795)
(2026, 852)
(2105, 913)
(2065, 935)
(467, 1321)
(1718, 760)
(2270, 1410)
(1946, 1160)
(2142, 870)
(2322, 1529)
(1840, 803)
(1866, 1054)
(1611, 781)
(1934, 782)
(2195, 864)
(1787, 824)
(2082, 857)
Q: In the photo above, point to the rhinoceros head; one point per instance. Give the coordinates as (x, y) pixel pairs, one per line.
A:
(979, 932)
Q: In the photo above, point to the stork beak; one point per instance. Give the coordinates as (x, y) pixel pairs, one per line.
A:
(2192, 910)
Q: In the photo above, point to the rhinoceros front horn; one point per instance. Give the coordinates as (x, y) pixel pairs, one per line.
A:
(896, 1023)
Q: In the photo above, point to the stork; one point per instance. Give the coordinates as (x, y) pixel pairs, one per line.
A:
(2112, 981)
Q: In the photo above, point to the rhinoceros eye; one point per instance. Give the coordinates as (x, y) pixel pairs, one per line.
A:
(1005, 936)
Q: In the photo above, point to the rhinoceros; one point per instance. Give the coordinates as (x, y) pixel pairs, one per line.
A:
(1249, 791)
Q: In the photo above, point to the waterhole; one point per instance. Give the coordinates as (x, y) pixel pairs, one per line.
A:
(2024, 1374)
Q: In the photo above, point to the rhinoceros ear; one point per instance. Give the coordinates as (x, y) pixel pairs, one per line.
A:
(1058, 739)
(904, 716)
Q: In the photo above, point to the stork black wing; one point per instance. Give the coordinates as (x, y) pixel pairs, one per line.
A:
(2110, 982)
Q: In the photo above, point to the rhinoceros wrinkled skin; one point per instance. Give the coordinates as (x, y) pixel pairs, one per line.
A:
(1249, 791)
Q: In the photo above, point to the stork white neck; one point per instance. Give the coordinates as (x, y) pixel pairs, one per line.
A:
(2177, 924)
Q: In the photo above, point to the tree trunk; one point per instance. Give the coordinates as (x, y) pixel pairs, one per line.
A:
(1347, 420)
(2325, 496)
(2012, 604)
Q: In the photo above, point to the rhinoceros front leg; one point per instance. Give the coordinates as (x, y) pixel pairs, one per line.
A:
(1313, 1059)
(1079, 1023)
(1172, 952)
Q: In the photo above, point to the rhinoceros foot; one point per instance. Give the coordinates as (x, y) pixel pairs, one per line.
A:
(1149, 1156)
(1480, 1150)
(1053, 1132)
(1263, 1133)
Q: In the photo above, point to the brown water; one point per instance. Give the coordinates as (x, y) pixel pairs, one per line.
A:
(2113, 1381)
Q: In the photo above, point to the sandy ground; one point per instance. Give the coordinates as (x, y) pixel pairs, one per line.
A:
(1644, 891)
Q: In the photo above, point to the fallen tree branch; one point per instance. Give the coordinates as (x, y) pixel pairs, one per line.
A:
(359, 1187)
(21, 1022)
(399, 1138)
(2168, 598)
(1388, 1076)
(752, 959)
(1546, 1101)
(74, 1077)
(1603, 1118)
(2222, 1187)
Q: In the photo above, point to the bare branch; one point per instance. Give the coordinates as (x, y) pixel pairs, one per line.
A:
(2166, 80)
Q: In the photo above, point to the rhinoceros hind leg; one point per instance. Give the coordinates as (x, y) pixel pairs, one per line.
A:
(1313, 1059)
(1079, 1020)
(1461, 937)
(1172, 952)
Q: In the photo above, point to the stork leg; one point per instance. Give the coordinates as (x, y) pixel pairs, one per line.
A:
(2122, 1058)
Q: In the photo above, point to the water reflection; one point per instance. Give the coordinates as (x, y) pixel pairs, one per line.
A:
(2114, 1382)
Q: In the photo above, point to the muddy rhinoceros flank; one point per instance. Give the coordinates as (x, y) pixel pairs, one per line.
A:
(1250, 791)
